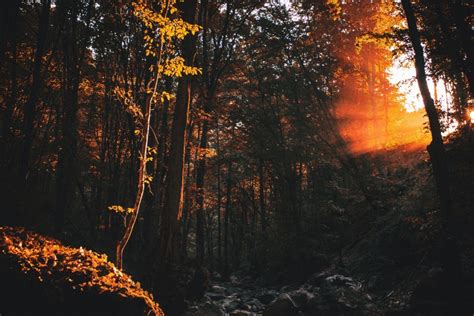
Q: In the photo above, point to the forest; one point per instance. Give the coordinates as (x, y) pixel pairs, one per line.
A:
(242, 158)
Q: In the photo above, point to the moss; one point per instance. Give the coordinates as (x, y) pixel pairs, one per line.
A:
(39, 274)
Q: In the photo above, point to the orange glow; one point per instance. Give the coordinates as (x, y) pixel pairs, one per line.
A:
(399, 128)
(378, 106)
(389, 116)
(471, 115)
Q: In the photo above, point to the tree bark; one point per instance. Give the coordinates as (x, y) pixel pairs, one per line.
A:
(200, 174)
(30, 106)
(173, 199)
(74, 48)
(219, 198)
(436, 148)
(68, 143)
(453, 287)
(226, 271)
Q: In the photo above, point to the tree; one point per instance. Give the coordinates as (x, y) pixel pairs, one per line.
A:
(173, 198)
(30, 106)
(451, 264)
(436, 147)
(74, 47)
(157, 43)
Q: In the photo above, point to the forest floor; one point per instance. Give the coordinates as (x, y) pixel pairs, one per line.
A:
(396, 254)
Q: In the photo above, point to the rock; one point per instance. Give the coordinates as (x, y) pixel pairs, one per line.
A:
(341, 294)
(300, 297)
(255, 305)
(231, 305)
(241, 313)
(208, 309)
(215, 296)
(307, 287)
(336, 295)
(233, 290)
(317, 279)
(217, 289)
(234, 280)
(338, 280)
(314, 302)
(267, 297)
(281, 306)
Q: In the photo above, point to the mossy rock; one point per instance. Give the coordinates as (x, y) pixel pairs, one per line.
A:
(41, 276)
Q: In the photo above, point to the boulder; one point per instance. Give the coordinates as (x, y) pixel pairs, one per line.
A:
(215, 296)
(231, 304)
(300, 297)
(217, 289)
(267, 297)
(338, 280)
(241, 313)
(338, 295)
(208, 309)
(281, 306)
(254, 305)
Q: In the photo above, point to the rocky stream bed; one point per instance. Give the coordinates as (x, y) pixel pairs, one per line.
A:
(321, 294)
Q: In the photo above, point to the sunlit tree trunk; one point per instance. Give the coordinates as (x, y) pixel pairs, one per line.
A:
(200, 174)
(130, 224)
(173, 199)
(187, 219)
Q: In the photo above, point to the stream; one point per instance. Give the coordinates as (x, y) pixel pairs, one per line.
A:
(321, 294)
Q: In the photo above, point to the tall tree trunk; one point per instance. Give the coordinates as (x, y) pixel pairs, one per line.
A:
(200, 174)
(219, 200)
(161, 157)
(436, 148)
(261, 198)
(68, 145)
(30, 106)
(130, 223)
(450, 256)
(10, 15)
(226, 271)
(173, 199)
(74, 49)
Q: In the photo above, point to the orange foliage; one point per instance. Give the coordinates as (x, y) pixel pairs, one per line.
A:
(47, 260)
